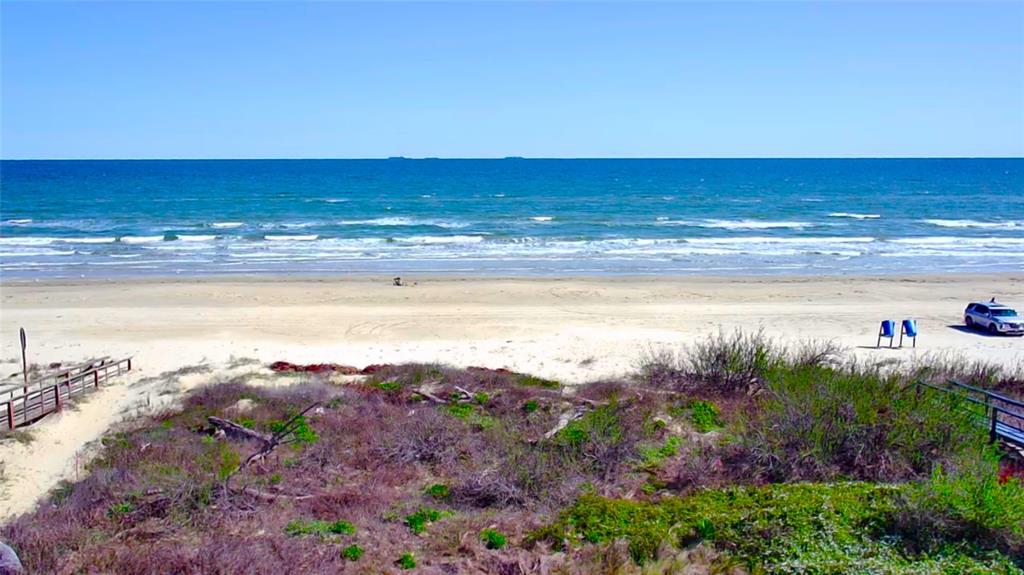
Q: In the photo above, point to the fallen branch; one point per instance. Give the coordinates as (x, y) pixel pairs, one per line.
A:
(564, 420)
(465, 394)
(237, 430)
(279, 438)
(271, 496)
(430, 396)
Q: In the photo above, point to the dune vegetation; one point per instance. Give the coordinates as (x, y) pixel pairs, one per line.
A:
(733, 456)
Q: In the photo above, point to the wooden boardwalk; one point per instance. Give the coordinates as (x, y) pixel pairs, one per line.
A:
(1003, 416)
(22, 404)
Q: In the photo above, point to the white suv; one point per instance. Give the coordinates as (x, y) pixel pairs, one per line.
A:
(994, 317)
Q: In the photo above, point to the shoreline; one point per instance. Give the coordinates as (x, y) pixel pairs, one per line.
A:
(486, 277)
(573, 330)
(523, 323)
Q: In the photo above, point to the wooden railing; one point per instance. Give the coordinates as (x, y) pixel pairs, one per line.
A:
(1003, 416)
(23, 404)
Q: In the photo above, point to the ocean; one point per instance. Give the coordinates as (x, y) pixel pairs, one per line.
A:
(103, 219)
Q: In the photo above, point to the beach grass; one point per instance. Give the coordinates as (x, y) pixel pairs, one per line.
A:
(732, 456)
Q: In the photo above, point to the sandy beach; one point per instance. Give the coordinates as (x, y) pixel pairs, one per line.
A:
(573, 330)
(546, 326)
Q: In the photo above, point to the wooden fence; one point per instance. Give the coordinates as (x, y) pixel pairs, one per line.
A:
(26, 403)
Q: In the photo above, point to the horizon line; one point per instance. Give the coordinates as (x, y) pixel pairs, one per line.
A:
(499, 158)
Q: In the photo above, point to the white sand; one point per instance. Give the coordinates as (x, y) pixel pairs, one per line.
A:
(568, 329)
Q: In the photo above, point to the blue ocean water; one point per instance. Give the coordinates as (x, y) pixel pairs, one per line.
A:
(99, 219)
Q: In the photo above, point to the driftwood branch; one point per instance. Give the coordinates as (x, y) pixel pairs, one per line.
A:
(277, 439)
(430, 396)
(237, 430)
(564, 420)
(271, 496)
(269, 443)
(465, 393)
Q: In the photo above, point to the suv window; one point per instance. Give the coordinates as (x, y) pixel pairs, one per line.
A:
(1004, 312)
(980, 308)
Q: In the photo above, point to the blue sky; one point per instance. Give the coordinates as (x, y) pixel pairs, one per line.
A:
(340, 80)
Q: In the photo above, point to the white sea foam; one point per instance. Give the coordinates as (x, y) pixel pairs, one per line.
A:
(141, 239)
(290, 238)
(441, 239)
(854, 216)
(102, 240)
(770, 240)
(404, 221)
(27, 241)
(1000, 225)
(752, 224)
(19, 221)
(196, 238)
(542, 218)
(957, 240)
(28, 251)
(227, 225)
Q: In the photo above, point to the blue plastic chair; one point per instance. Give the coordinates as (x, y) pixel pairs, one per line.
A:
(909, 329)
(887, 329)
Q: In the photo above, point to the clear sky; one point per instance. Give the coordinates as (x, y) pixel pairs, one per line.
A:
(345, 80)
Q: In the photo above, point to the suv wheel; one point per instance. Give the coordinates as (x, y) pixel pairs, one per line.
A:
(992, 329)
(969, 322)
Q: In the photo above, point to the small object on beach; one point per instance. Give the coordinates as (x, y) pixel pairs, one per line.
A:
(887, 329)
(397, 281)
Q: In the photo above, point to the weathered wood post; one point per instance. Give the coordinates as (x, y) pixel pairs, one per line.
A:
(24, 361)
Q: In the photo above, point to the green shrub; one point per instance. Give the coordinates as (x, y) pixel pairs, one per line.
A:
(389, 386)
(300, 527)
(819, 423)
(302, 433)
(492, 538)
(424, 516)
(532, 381)
(481, 398)
(119, 509)
(438, 491)
(731, 363)
(601, 424)
(972, 499)
(229, 462)
(61, 492)
(459, 410)
(654, 456)
(352, 552)
(406, 561)
(778, 529)
(531, 406)
(704, 415)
